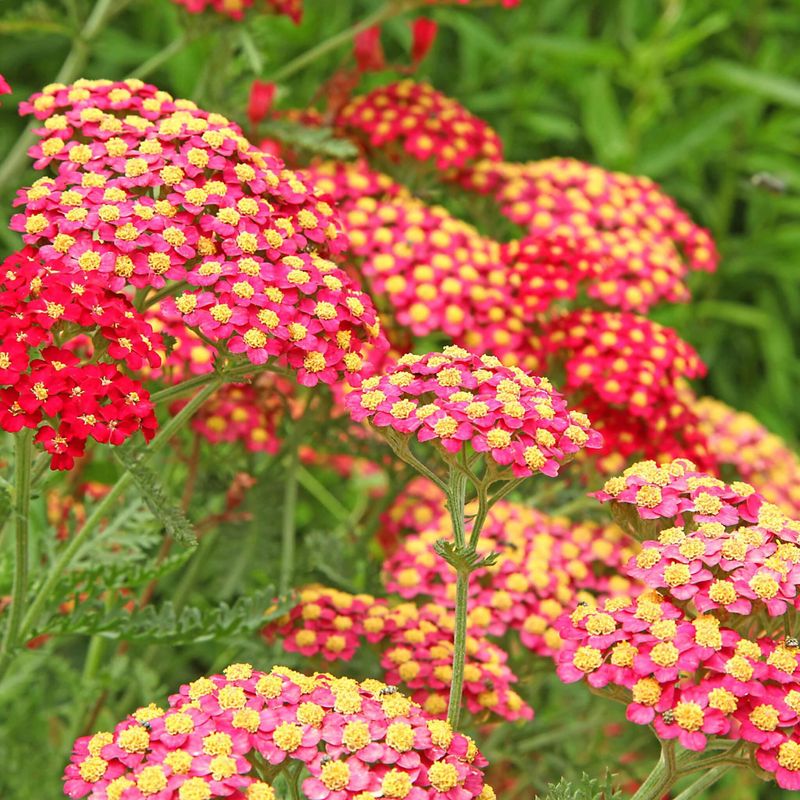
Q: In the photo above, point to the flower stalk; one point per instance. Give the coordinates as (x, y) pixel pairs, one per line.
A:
(22, 500)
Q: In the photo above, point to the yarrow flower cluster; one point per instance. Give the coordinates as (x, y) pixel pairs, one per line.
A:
(356, 740)
(235, 9)
(438, 273)
(414, 119)
(65, 338)
(543, 566)
(630, 374)
(455, 398)
(739, 440)
(626, 218)
(415, 646)
(150, 189)
(705, 651)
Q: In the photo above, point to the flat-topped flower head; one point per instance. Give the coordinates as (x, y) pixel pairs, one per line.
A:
(351, 739)
(453, 398)
(648, 243)
(150, 190)
(409, 119)
(66, 340)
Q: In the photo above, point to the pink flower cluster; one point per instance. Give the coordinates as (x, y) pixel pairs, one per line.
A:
(413, 119)
(760, 457)
(65, 337)
(455, 398)
(627, 220)
(437, 272)
(150, 189)
(235, 9)
(415, 644)
(356, 740)
(713, 656)
(543, 566)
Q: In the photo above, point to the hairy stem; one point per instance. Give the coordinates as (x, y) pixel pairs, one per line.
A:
(456, 501)
(288, 527)
(22, 500)
(385, 12)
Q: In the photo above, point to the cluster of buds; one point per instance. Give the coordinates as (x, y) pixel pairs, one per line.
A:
(220, 735)
(235, 9)
(709, 648)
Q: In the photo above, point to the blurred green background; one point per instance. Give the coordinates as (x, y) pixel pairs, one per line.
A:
(702, 97)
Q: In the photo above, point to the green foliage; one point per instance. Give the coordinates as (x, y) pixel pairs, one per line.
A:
(169, 625)
(310, 141)
(157, 498)
(585, 788)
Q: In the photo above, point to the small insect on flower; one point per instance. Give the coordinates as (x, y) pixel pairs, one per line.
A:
(669, 716)
(791, 641)
(387, 690)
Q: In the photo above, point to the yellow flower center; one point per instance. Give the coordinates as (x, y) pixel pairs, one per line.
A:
(689, 716)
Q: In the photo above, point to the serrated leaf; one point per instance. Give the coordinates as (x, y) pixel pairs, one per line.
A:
(158, 501)
(584, 788)
(166, 625)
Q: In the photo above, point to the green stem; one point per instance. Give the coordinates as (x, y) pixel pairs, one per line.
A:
(665, 773)
(71, 68)
(456, 501)
(22, 501)
(703, 782)
(100, 512)
(161, 57)
(459, 648)
(321, 494)
(385, 12)
(288, 529)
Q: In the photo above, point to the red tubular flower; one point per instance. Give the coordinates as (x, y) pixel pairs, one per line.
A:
(262, 95)
(423, 33)
(353, 738)
(165, 191)
(368, 51)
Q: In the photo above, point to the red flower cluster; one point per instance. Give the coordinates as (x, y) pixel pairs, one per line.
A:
(152, 189)
(629, 374)
(416, 120)
(543, 566)
(628, 219)
(4, 87)
(713, 659)
(356, 740)
(415, 645)
(235, 9)
(70, 389)
(454, 397)
(758, 456)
